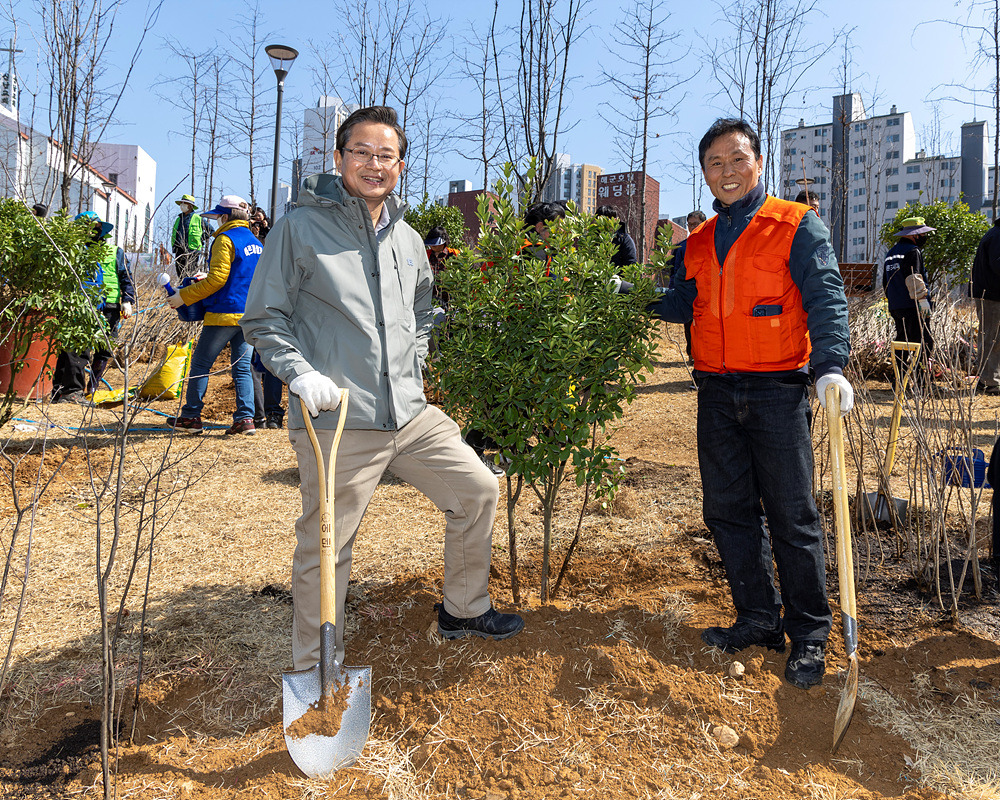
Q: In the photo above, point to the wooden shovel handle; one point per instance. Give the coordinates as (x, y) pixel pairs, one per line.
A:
(897, 405)
(328, 548)
(845, 554)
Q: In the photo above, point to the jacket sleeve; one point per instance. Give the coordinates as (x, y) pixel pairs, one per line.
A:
(676, 304)
(218, 272)
(814, 269)
(423, 303)
(267, 320)
(125, 282)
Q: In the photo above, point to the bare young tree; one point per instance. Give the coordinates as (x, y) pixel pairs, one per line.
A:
(533, 111)
(186, 92)
(480, 126)
(645, 86)
(251, 109)
(75, 37)
(762, 62)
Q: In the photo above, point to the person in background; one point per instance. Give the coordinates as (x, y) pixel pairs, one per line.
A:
(78, 374)
(342, 298)
(694, 219)
(186, 239)
(259, 224)
(985, 288)
(40, 210)
(761, 282)
(267, 394)
(624, 245)
(438, 251)
(808, 198)
(904, 280)
(223, 293)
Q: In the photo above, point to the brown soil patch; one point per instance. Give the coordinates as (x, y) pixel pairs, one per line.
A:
(608, 692)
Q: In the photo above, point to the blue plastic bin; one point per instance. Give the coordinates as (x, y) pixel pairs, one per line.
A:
(960, 470)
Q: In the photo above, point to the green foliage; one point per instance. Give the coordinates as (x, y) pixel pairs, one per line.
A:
(950, 249)
(539, 351)
(43, 266)
(426, 215)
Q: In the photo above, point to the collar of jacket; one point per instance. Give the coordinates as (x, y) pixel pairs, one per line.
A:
(745, 207)
(327, 191)
(233, 223)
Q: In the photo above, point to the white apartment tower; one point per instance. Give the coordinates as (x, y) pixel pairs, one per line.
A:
(864, 169)
(319, 134)
(576, 182)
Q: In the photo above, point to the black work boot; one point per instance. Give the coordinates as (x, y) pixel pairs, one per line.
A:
(744, 634)
(490, 625)
(806, 663)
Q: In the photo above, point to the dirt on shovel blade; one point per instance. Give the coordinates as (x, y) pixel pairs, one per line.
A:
(324, 716)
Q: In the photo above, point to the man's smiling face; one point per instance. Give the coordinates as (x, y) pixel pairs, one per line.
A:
(731, 168)
(370, 181)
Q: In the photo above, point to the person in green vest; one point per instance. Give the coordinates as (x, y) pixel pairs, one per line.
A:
(78, 374)
(187, 237)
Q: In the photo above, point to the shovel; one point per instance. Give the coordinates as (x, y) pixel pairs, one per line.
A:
(327, 708)
(845, 566)
(881, 506)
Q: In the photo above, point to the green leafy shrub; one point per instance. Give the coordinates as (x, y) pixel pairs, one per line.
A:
(43, 268)
(426, 215)
(539, 352)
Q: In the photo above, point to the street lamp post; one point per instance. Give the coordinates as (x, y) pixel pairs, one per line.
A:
(109, 187)
(281, 57)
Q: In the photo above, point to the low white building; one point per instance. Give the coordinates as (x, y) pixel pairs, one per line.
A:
(119, 182)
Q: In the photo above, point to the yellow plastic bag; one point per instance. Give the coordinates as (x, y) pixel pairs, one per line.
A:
(167, 382)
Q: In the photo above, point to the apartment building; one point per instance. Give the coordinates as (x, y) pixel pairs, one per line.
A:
(865, 168)
(576, 182)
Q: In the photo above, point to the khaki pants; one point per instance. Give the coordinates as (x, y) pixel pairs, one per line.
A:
(427, 453)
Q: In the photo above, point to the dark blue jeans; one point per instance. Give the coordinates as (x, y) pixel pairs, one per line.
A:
(754, 446)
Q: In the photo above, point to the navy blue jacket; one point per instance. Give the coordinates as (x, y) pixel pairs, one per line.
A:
(902, 260)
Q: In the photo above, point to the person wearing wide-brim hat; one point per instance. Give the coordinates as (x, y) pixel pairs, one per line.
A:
(904, 279)
(187, 237)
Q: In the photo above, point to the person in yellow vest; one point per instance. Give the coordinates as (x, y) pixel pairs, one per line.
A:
(761, 286)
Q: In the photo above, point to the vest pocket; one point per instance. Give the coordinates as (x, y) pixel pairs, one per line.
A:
(771, 341)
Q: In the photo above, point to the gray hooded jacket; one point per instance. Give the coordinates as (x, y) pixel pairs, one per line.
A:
(330, 295)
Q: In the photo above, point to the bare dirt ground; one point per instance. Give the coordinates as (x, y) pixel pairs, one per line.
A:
(607, 692)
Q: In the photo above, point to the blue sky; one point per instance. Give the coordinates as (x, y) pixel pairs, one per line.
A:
(894, 59)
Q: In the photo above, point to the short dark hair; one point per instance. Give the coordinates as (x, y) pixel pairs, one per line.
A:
(608, 211)
(805, 196)
(381, 115)
(723, 126)
(698, 215)
(542, 212)
(40, 210)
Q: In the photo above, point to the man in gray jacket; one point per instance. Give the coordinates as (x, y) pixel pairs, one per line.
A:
(342, 298)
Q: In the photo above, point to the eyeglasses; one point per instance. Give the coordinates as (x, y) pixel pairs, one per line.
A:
(364, 156)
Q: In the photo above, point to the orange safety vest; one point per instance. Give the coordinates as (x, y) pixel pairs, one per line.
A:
(748, 314)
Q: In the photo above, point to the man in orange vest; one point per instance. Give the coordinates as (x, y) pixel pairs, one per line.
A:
(760, 283)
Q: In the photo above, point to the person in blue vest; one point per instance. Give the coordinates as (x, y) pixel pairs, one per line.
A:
(904, 279)
(223, 293)
(78, 374)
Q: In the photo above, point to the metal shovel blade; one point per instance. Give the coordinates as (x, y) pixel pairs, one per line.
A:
(848, 698)
(322, 740)
(877, 508)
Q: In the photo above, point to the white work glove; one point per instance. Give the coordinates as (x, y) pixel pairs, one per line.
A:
(846, 392)
(126, 310)
(316, 391)
(174, 300)
(925, 306)
(616, 283)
